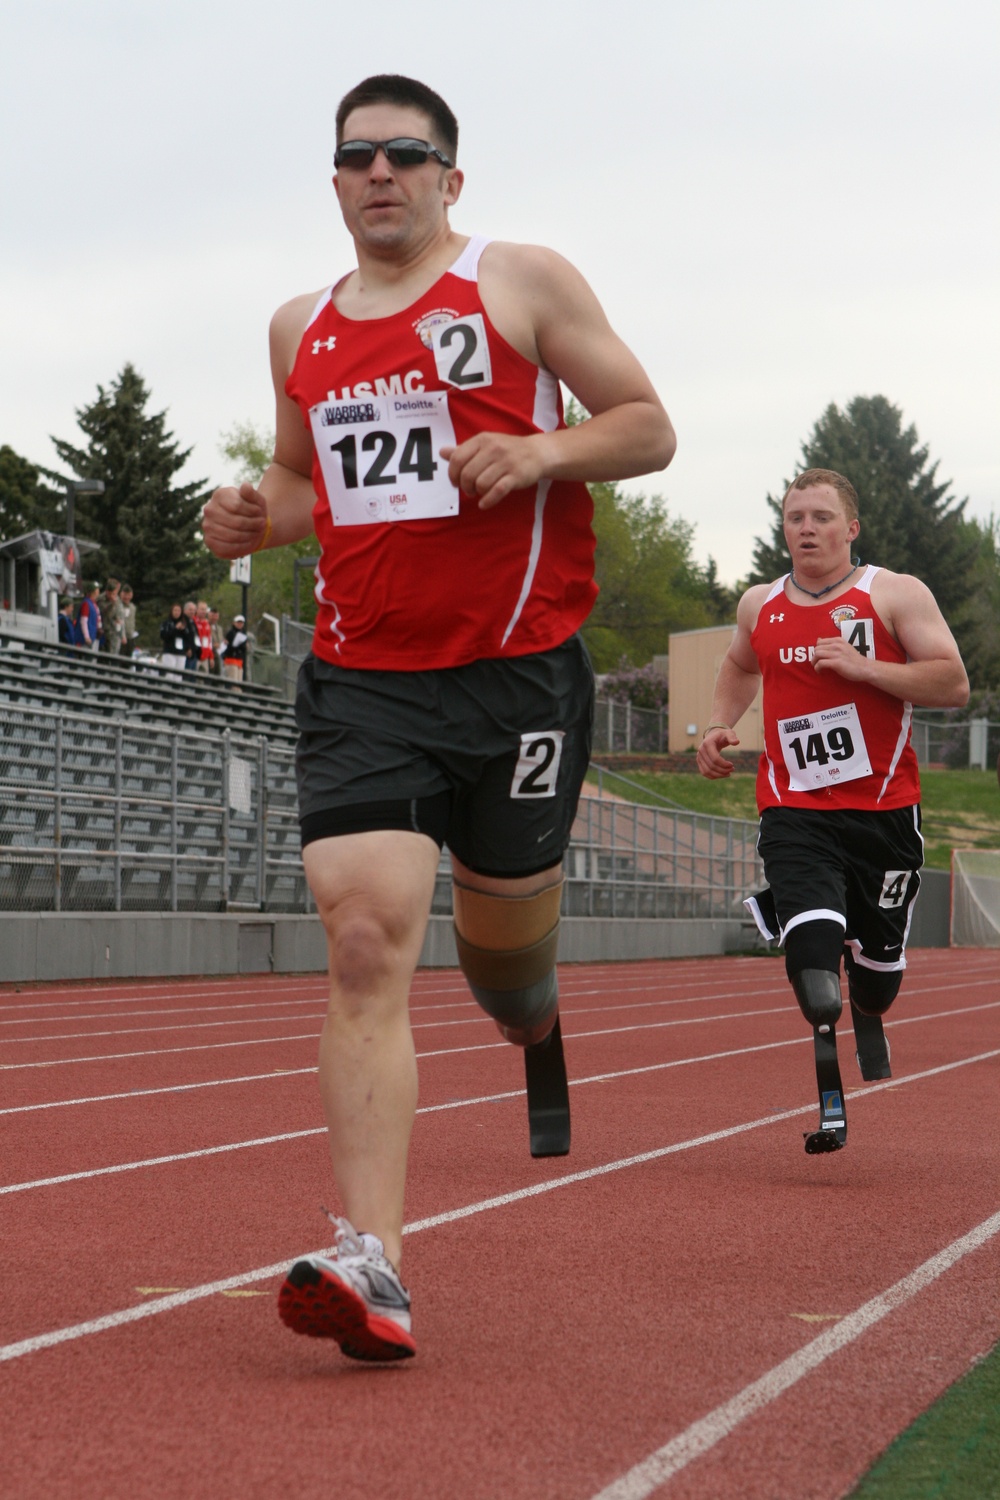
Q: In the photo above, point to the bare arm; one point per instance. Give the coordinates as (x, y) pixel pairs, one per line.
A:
(934, 675)
(243, 519)
(735, 689)
(546, 309)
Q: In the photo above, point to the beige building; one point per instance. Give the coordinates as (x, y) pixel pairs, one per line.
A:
(695, 659)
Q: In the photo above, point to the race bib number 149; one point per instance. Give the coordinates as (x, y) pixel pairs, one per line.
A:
(823, 749)
(380, 457)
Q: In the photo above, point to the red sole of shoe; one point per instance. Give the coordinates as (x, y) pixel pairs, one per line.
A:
(324, 1308)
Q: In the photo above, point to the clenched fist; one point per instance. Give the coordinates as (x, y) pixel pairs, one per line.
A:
(234, 521)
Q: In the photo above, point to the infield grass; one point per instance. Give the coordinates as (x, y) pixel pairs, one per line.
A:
(961, 809)
(952, 1452)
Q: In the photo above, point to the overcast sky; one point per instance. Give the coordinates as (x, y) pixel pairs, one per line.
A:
(779, 204)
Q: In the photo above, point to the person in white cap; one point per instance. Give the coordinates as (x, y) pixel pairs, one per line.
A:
(234, 649)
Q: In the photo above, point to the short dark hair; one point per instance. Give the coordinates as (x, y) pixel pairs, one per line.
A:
(845, 489)
(395, 88)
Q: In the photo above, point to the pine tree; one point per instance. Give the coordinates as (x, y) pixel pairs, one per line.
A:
(25, 503)
(909, 521)
(147, 526)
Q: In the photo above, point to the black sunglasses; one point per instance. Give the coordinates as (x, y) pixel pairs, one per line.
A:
(401, 151)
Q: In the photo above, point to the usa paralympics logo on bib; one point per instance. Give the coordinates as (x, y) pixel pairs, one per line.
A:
(380, 457)
(824, 749)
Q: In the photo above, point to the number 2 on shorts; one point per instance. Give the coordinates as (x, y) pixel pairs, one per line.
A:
(537, 769)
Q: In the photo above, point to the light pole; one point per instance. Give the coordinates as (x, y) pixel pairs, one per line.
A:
(76, 487)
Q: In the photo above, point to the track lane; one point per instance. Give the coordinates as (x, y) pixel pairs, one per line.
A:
(471, 1396)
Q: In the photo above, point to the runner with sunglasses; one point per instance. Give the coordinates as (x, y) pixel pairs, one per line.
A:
(448, 696)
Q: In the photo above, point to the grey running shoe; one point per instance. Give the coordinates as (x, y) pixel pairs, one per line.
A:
(356, 1298)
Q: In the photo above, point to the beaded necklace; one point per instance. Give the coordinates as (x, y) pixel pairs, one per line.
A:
(855, 565)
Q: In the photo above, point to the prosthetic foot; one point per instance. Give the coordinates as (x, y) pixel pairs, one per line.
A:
(507, 950)
(548, 1096)
(832, 1132)
(872, 1047)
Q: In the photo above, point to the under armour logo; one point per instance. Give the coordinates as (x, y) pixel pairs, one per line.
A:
(779, 618)
(318, 344)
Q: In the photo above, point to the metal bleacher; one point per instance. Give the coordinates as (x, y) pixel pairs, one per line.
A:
(125, 786)
(141, 691)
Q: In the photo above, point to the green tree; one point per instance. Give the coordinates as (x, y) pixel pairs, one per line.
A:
(977, 625)
(721, 601)
(248, 449)
(26, 504)
(649, 582)
(909, 521)
(147, 526)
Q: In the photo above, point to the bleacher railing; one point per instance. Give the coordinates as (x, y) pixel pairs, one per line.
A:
(104, 816)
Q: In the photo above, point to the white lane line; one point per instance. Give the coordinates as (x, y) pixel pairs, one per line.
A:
(171, 1088)
(67, 1062)
(428, 983)
(474, 1017)
(173, 1010)
(503, 1200)
(466, 1002)
(441, 1052)
(293, 1135)
(474, 1014)
(703, 1435)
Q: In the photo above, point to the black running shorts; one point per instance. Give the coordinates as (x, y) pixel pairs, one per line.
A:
(860, 867)
(488, 758)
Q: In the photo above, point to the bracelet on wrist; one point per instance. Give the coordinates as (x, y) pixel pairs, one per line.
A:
(268, 528)
(717, 725)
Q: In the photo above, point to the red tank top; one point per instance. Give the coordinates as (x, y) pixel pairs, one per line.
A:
(412, 575)
(829, 742)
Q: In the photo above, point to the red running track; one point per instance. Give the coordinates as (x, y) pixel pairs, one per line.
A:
(688, 1305)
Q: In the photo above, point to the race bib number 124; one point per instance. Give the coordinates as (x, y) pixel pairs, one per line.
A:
(380, 457)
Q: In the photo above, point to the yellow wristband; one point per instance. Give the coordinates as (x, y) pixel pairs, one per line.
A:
(268, 528)
(710, 727)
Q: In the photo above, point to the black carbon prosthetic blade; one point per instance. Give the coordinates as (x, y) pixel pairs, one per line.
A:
(548, 1096)
(832, 1132)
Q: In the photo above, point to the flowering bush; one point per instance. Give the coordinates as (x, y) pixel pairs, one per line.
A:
(640, 686)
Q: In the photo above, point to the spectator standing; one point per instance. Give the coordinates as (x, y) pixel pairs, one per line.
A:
(176, 642)
(204, 650)
(129, 631)
(190, 612)
(88, 619)
(67, 630)
(234, 650)
(218, 636)
(112, 617)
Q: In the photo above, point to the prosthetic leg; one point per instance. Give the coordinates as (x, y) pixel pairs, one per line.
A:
(507, 949)
(818, 994)
(872, 991)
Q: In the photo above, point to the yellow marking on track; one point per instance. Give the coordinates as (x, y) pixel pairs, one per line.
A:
(154, 1291)
(240, 1292)
(818, 1317)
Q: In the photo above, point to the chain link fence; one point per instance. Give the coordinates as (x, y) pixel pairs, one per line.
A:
(939, 740)
(104, 816)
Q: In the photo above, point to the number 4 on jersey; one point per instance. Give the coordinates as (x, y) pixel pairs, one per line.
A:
(858, 633)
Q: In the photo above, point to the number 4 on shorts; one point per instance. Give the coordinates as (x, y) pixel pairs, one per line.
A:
(537, 769)
(894, 888)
